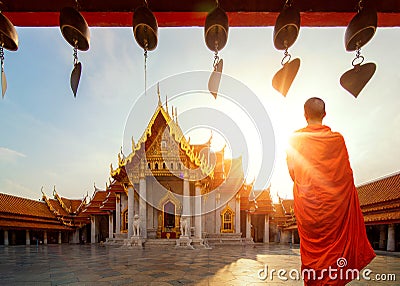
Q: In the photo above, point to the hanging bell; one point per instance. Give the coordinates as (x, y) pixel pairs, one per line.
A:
(145, 28)
(361, 29)
(216, 29)
(76, 32)
(286, 28)
(74, 28)
(9, 41)
(8, 34)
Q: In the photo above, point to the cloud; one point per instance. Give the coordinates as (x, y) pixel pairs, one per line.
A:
(9, 155)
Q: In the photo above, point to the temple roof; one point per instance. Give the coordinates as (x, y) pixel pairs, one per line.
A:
(68, 211)
(161, 119)
(380, 200)
(381, 190)
(93, 207)
(17, 212)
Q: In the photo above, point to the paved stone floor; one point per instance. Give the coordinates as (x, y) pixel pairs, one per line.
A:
(100, 265)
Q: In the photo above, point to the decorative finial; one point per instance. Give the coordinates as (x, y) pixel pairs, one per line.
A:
(176, 115)
(54, 190)
(94, 185)
(166, 103)
(158, 94)
(173, 116)
(111, 167)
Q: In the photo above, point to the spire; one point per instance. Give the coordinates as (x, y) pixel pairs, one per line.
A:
(158, 94)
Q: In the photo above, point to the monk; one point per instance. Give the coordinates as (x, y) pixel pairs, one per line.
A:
(333, 239)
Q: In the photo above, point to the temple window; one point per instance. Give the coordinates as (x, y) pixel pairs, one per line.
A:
(156, 166)
(227, 216)
(172, 166)
(148, 166)
(124, 224)
(179, 166)
(164, 166)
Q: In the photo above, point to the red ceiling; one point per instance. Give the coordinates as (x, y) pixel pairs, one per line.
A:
(179, 13)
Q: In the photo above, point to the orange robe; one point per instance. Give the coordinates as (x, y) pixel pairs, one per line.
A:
(326, 206)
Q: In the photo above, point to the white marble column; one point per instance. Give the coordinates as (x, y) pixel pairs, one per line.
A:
(131, 200)
(118, 214)
(237, 214)
(382, 236)
(27, 237)
(142, 206)
(198, 211)
(391, 241)
(186, 199)
(93, 230)
(110, 226)
(45, 237)
(59, 237)
(248, 225)
(6, 237)
(266, 228)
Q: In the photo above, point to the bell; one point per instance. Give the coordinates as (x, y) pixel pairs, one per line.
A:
(216, 29)
(361, 29)
(74, 28)
(8, 34)
(145, 28)
(286, 28)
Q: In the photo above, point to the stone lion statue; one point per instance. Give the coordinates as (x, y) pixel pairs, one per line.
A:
(136, 225)
(184, 226)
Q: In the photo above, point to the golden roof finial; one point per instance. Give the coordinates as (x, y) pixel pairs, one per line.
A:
(176, 115)
(166, 103)
(173, 116)
(54, 191)
(158, 94)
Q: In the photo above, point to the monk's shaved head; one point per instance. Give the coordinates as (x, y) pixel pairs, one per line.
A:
(314, 109)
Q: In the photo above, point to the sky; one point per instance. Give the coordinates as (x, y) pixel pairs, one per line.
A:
(49, 138)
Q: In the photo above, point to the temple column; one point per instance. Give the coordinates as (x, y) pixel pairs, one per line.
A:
(131, 199)
(59, 237)
(237, 214)
(6, 237)
(382, 236)
(248, 225)
(143, 199)
(110, 226)
(292, 236)
(186, 199)
(118, 214)
(198, 211)
(93, 230)
(391, 245)
(45, 237)
(27, 237)
(266, 228)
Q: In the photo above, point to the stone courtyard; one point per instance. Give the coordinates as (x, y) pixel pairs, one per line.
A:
(103, 265)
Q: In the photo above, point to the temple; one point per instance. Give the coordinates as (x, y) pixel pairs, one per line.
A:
(168, 191)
